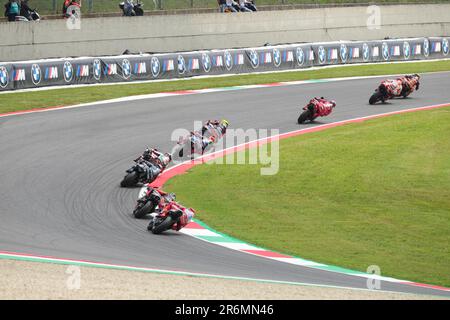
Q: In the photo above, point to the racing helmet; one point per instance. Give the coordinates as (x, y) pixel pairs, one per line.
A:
(224, 122)
(172, 196)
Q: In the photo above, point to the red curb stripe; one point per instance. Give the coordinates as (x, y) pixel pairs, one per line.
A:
(29, 111)
(193, 225)
(269, 254)
(431, 286)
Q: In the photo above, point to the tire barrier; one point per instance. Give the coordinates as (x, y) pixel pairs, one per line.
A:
(128, 68)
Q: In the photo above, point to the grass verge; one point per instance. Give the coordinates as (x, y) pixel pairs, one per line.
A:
(372, 193)
(63, 97)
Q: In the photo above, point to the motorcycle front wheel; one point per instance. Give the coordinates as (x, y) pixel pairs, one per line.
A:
(163, 226)
(304, 116)
(376, 96)
(145, 209)
(130, 180)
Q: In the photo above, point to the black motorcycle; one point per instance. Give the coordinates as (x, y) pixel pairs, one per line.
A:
(136, 11)
(147, 203)
(142, 172)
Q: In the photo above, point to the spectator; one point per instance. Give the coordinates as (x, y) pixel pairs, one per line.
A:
(25, 10)
(228, 6)
(222, 5)
(128, 8)
(12, 10)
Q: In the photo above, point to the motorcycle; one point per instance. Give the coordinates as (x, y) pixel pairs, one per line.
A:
(147, 203)
(389, 89)
(171, 214)
(316, 108)
(136, 11)
(193, 142)
(32, 15)
(140, 172)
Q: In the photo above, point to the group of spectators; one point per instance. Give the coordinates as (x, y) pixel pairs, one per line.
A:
(14, 8)
(239, 6)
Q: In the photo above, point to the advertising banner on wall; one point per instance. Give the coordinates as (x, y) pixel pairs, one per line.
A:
(128, 68)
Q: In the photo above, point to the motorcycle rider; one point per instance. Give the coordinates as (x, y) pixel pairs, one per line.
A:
(168, 202)
(320, 106)
(155, 160)
(199, 143)
(409, 83)
(215, 128)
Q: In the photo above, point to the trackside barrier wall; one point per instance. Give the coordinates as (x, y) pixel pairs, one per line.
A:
(128, 68)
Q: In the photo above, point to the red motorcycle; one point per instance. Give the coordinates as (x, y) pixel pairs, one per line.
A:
(400, 87)
(171, 216)
(317, 107)
(148, 202)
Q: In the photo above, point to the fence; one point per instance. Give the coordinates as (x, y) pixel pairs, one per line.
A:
(90, 70)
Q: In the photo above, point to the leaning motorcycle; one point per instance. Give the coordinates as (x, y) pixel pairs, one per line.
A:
(140, 172)
(311, 112)
(170, 215)
(147, 203)
(385, 91)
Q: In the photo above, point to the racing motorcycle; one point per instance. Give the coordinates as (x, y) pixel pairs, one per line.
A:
(316, 108)
(140, 172)
(171, 214)
(194, 142)
(32, 15)
(136, 11)
(389, 89)
(149, 200)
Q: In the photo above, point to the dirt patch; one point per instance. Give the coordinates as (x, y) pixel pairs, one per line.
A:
(34, 280)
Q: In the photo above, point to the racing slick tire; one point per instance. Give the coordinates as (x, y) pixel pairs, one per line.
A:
(130, 180)
(147, 208)
(163, 226)
(305, 115)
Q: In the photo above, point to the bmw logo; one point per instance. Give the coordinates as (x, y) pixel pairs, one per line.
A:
(300, 56)
(406, 50)
(35, 74)
(343, 52)
(426, 47)
(322, 55)
(4, 77)
(97, 69)
(156, 67)
(206, 62)
(181, 65)
(254, 59)
(366, 52)
(445, 47)
(276, 57)
(68, 71)
(385, 51)
(126, 68)
(228, 60)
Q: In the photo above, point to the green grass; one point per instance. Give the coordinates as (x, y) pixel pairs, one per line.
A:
(70, 96)
(372, 193)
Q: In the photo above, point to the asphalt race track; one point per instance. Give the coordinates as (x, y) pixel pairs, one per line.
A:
(60, 172)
